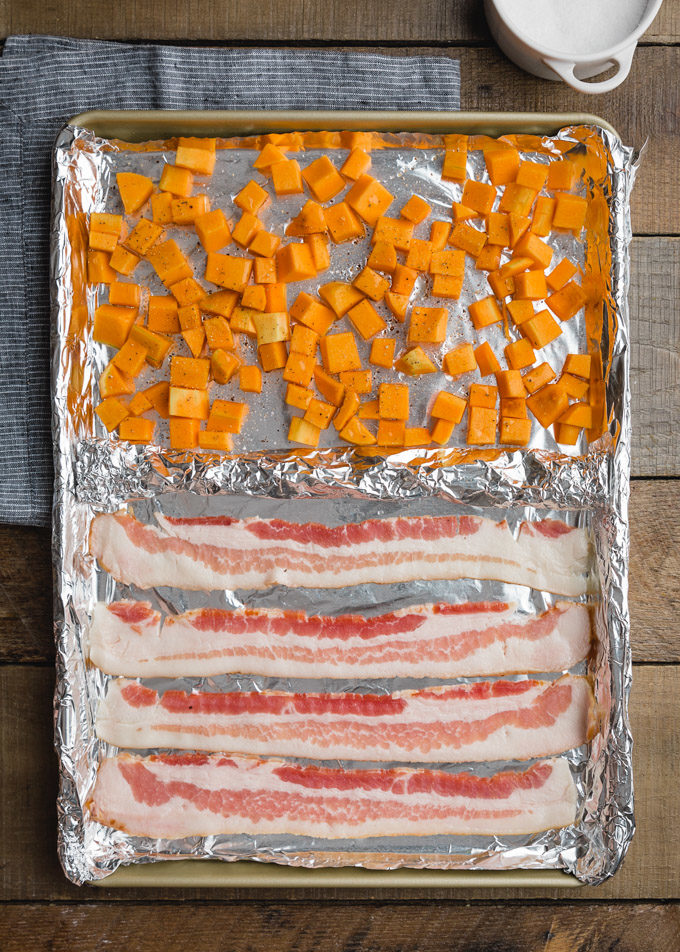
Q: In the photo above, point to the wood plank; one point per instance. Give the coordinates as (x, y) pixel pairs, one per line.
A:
(25, 582)
(340, 927)
(428, 21)
(28, 865)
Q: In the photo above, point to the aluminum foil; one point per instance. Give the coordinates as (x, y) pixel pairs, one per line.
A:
(95, 473)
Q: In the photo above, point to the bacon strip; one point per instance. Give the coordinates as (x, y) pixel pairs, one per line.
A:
(446, 641)
(217, 553)
(485, 720)
(174, 796)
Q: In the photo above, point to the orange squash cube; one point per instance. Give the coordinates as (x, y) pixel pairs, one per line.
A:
(515, 407)
(304, 340)
(514, 432)
(185, 402)
(194, 338)
(397, 304)
(481, 430)
(538, 377)
(102, 241)
(403, 280)
(467, 238)
(318, 248)
(356, 164)
(416, 210)
(169, 262)
(227, 416)
(502, 164)
(161, 208)
(139, 404)
(218, 333)
(185, 211)
(297, 396)
(383, 257)
(213, 230)
(566, 434)
(371, 284)
(541, 222)
(134, 189)
(578, 364)
(489, 258)
(299, 368)
(250, 379)
(157, 345)
(574, 386)
(189, 317)
(339, 352)
(310, 220)
(562, 175)
(461, 212)
(570, 212)
(271, 328)
(447, 286)
(251, 198)
(395, 231)
(548, 404)
(520, 311)
(369, 199)
(560, 274)
(369, 410)
(359, 381)
(486, 360)
(273, 356)
(213, 440)
(112, 412)
(498, 228)
(530, 286)
(532, 174)
(254, 297)
(312, 313)
(136, 430)
(342, 223)
(189, 372)
(106, 223)
(264, 269)
(323, 179)
(448, 406)
(479, 195)
(355, 432)
(382, 352)
(419, 255)
(568, 301)
(417, 436)
(578, 414)
(366, 320)
(330, 388)
(541, 329)
(112, 324)
(245, 229)
(485, 312)
(428, 325)
(277, 297)
(303, 431)
(346, 411)
(393, 401)
(531, 246)
(268, 156)
(195, 154)
(339, 297)
(318, 413)
(510, 384)
(520, 354)
(264, 243)
(223, 365)
(454, 167)
(187, 291)
(123, 261)
(441, 432)
(483, 395)
(518, 225)
(159, 396)
(391, 433)
(518, 199)
(415, 363)
(294, 263)
(287, 177)
(228, 271)
(177, 181)
(219, 302)
(439, 235)
(184, 433)
(130, 358)
(460, 360)
(124, 294)
(99, 271)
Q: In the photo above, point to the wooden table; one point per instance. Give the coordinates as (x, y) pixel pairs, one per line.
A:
(638, 908)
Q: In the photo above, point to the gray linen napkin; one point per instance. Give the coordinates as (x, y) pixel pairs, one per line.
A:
(46, 80)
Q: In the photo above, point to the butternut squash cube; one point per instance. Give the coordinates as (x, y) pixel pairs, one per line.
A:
(486, 360)
(578, 414)
(114, 383)
(415, 362)
(360, 381)
(299, 369)
(187, 291)
(319, 413)
(189, 372)
(99, 271)
(297, 396)
(196, 154)
(185, 211)
(273, 356)
(124, 294)
(159, 395)
(578, 365)
(531, 246)
(419, 254)
(227, 416)
(218, 333)
(382, 352)
(271, 328)
(112, 324)
(441, 432)
(228, 271)
(310, 220)
(562, 175)
(567, 302)
(448, 406)
(176, 180)
(250, 379)
(541, 329)
(428, 325)
(251, 198)
(366, 320)
(393, 401)
(570, 212)
(514, 432)
(194, 338)
(538, 377)
(530, 286)
(391, 433)
(342, 223)
(447, 286)
(356, 164)
(303, 431)
(245, 229)
(369, 410)
(454, 168)
(277, 297)
(498, 228)
(383, 257)
(370, 283)
(137, 430)
(520, 354)
(520, 311)
(264, 269)
(510, 384)
(130, 358)
(185, 402)
(312, 313)
(479, 195)
(161, 208)
(481, 429)
(467, 238)
(330, 388)
(184, 433)
(502, 163)
(548, 404)
(339, 297)
(304, 340)
(134, 189)
(254, 297)
(123, 261)
(514, 407)
(397, 304)
(518, 199)
(139, 404)
(518, 225)
(403, 280)
(346, 411)
(416, 210)
(268, 156)
(112, 412)
(264, 243)
(532, 174)
(169, 262)
(395, 231)
(574, 387)
(369, 199)
(223, 365)
(323, 179)
(485, 312)
(460, 360)
(483, 395)
(417, 436)
(566, 434)
(355, 432)
(541, 221)
(213, 230)
(287, 177)
(219, 302)
(560, 274)
(339, 352)
(318, 248)
(439, 235)
(213, 440)
(460, 212)
(294, 263)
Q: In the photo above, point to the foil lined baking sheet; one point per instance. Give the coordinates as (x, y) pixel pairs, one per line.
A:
(95, 473)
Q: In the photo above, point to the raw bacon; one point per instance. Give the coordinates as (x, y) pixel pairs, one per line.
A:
(446, 641)
(174, 796)
(217, 553)
(484, 720)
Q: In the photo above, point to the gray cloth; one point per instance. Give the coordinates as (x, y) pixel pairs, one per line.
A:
(46, 80)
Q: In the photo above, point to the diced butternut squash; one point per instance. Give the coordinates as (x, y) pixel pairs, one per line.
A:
(541, 222)
(485, 312)
(574, 386)
(416, 210)
(510, 384)
(254, 297)
(454, 168)
(112, 412)
(442, 431)
(297, 396)
(161, 208)
(467, 238)
(312, 313)
(369, 410)
(481, 430)
(134, 189)
(139, 404)
(123, 261)
(342, 223)
(382, 351)
(271, 328)
(397, 304)
(498, 228)
(339, 352)
(213, 440)
(460, 360)
(277, 297)
(391, 433)
(566, 434)
(228, 271)
(520, 354)
(479, 195)
(185, 211)
(372, 284)
(486, 359)
(185, 402)
(223, 365)
(448, 406)
(541, 329)
(514, 432)
(514, 407)
(219, 302)
(395, 231)
(250, 378)
(520, 311)
(339, 297)
(489, 258)
(578, 414)
(518, 199)
(130, 359)
(502, 163)
(197, 155)
(251, 198)
(299, 368)
(562, 175)
(159, 395)
(189, 317)
(137, 430)
(417, 436)
(532, 174)
(294, 263)
(264, 269)
(356, 164)
(184, 433)
(360, 381)
(346, 411)
(319, 413)
(287, 177)
(304, 340)
(419, 254)
(538, 377)
(323, 179)
(189, 372)
(99, 271)
(518, 225)
(548, 404)
(560, 274)
(393, 401)
(447, 286)
(428, 325)
(383, 257)
(227, 416)
(114, 383)
(369, 199)
(355, 432)
(532, 246)
(567, 302)
(124, 294)
(176, 180)
(169, 262)
(187, 291)
(113, 324)
(213, 230)
(194, 338)
(439, 235)
(245, 229)
(530, 286)
(460, 212)
(415, 362)
(303, 431)
(403, 280)
(330, 388)
(163, 314)
(578, 364)
(268, 156)
(483, 395)
(156, 345)
(366, 320)
(570, 212)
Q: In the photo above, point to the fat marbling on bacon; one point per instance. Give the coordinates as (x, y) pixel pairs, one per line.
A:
(447, 641)
(216, 552)
(179, 795)
(480, 721)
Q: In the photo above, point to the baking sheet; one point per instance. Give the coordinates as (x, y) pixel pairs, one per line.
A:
(94, 474)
